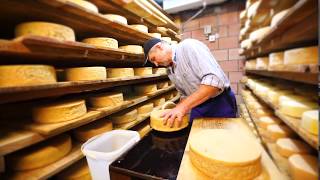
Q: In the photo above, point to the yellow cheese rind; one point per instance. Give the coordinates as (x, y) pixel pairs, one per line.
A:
(287, 147)
(303, 167)
(45, 29)
(86, 73)
(84, 133)
(140, 27)
(229, 155)
(102, 42)
(79, 170)
(120, 72)
(144, 89)
(106, 100)
(251, 64)
(125, 117)
(275, 131)
(159, 102)
(262, 63)
(156, 122)
(306, 55)
(132, 49)
(116, 18)
(26, 75)
(265, 121)
(160, 71)
(277, 17)
(310, 121)
(145, 109)
(155, 35)
(276, 61)
(40, 155)
(162, 85)
(295, 107)
(59, 111)
(259, 34)
(143, 71)
(85, 4)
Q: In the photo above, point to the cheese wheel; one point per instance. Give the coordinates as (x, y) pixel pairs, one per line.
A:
(259, 34)
(259, 15)
(41, 154)
(262, 63)
(282, 5)
(250, 64)
(225, 154)
(276, 131)
(132, 49)
(86, 73)
(265, 121)
(246, 44)
(155, 35)
(274, 95)
(160, 71)
(159, 102)
(86, 132)
(303, 167)
(167, 39)
(144, 130)
(310, 121)
(45, 29)
(162, 29)
(156, 122)
(120, 72)
(276, 18)
(145, 109)
(162, 85)
(262, 112)
(85, 4)
(287, 147)
(140, 27)
(295, 107)
(106, 100)
(276, 61)
(144, 89)
(124, 117)
(102, 42)
(168, 96)
(59, 111)
(143, 71)
(79, 170)
(116, 18)
(307, 55)
(26, 75)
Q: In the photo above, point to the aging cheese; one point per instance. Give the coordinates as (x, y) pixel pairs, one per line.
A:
(251, 64)
(295, 106)
(310, 121)
(102, 42)
(84, 4)
(144, 89)
(120, 72)
(162, 85)
(155, 35)
(145, 109)
(132, 49)
(303, 167)
(276, 61)
(276, 131)
(86, 73)
(160, 71)
(265, 121)
(307, 55)
(124, 117)
(246, 44)
(116, 18)
(144, 71)
(274, 95)
(140, 27)
(167, 39)
(262, 63)
(287, 147)
(156, 122)
(86, 132)
(106, 100)
(79, 170)
(259, 34)
(159, 102)
(276, 18)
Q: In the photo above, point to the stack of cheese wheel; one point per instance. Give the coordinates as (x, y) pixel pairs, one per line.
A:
(295, 106)
(262, 63)
(310, 121)
(140, 27)
(162, 85)
(259, 34)
(60, 111)
(145, 89)
(276, 61)
(155, 35)
(229, 155)
(120, 72)
(144, 71)
(102, 42)
(109, 99)
(250, 64)
(124, 117)
(160, 71)
(26, 75)
(301, 56)
(276, 131)
(79, 170)
(303, 166)
(86, 73)
(116, 18)
(145, 109)
(45, 29)
(84, 4)
(132, 49)
(262, 89)
(278, 17)
(156, 122)
(84, 133)
(287, 147)
(159, 101)
(41, 154)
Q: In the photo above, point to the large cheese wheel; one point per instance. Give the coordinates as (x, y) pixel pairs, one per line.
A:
(265, 121)
(160, 71)
(167, 39)
(84, 133)
(246, 44)
(276, 18)
(102, 42)
(276, 131)
(26, 75)
(307, 55)
(140, 27)
(274, 95)
(86, 73)
(116, 18)
(46, 29)
(132, 49)
(59, 111)
(106, 100)
(144, 71)
(276, 61)
(146, 88)
(124, 117)
(287, 147)
(156, 122)
(262, 112)
(145, 109)
(303, 167)
(225, 154)
(259, 15)
(295, 107)
(40, 155)
(120, 72)
(84, 4)
(155, 35)
(262, 63)
(259, 34)
(310, 121)
(251, 64)
(159, 101)
(162, 85)
(79, 170)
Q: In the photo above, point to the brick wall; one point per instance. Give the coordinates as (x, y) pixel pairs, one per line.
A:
(224, 20)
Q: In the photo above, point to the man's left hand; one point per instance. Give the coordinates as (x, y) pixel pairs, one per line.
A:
(176, 113)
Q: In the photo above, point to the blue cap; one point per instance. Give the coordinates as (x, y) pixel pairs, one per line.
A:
(147, 46)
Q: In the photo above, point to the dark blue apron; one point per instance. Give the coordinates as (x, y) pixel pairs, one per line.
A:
(224, 105)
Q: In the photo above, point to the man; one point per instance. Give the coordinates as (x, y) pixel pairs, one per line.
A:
(204, 87)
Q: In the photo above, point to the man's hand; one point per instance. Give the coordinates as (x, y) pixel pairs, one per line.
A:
(176, 113)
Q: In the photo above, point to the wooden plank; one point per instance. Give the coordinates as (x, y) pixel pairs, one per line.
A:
(281, 162)
(13, 94)
(2, 164)
(188, 171)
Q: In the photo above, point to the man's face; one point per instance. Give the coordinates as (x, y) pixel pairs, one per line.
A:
(159, 55)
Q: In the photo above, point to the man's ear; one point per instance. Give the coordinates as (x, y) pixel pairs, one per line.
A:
(159, 46)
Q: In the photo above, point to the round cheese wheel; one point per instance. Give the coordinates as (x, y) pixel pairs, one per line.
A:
(295, 107)
(160, 71)
(120, 72)
(306, 55)
(79, 170)
(86, 73)
(146, 88)
(145, 109)
(259, 34)
(143, 71)
(162, 85)
(86, 132)
(276, 18)
(246, 44)
(159, 102)
(132, 49)
(262, 63)
(251, 64)
(287, 147)
(26, 75)
(124, 117)
(116, 18)
(140, 27)
(102, 42)
(225, 154)
(156, 122)
(106, 100)
(276, 131)
(45, 29)
(59, 111)
(302, 166)
(276, 61)
(155, 35)
(265, 121)
(85, 4)
(310, 121)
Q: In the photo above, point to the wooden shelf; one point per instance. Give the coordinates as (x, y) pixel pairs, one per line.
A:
(30, 133)
(41, 50)
(13, 94)
(302, 77)
(85, 23)
(288, 33)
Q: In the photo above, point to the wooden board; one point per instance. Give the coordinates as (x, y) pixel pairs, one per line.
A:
(188, 171)
(281, 162)
(2, 165)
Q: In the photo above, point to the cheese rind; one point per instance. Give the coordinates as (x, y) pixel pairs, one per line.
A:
(303, 167)
(277, 17)
(262, 63)
(159, 102)
(143, 71)
(155, 35)
(102, 42)
(259, 34)
(86, 73)
(145, 89)
(84, 133)
(85, 4)
(120, 72)
(295, 107)
(132, 49)
(306, 55)
(145, 109)
(160, 71)
(116, 18)
(162, 85)
(26, 75)
(45, 29)
(125, 117)
(310, 121)
(275, 131)
(156, 122)
(265, 121)
(140, 27)
(106, 100)
(251, 64)
(287, 147)
(79, 170)
(276, 61)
